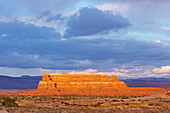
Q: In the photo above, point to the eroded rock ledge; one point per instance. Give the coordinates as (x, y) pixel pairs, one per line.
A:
(87, 84)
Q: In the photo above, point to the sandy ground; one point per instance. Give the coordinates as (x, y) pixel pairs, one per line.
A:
(159, 103)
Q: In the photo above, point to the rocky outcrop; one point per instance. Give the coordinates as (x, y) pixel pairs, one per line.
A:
(88, 84)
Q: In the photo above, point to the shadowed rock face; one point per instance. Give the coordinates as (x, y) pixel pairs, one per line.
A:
(91, 84)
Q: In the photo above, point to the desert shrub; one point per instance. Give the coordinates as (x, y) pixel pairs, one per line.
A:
(3, 103)
(10, 103)
(151, 104)
(114, 96)
(122, 100)
(52, 98)
(105, 96)
(133, 96)
(93, 97)
(21, 97)
(106, 100)
(124, 97)
(98, 104)
(115, 100)
(127, 104)
(34, 96)
(111, 96)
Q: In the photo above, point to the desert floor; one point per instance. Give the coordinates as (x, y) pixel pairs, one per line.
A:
(12, 103)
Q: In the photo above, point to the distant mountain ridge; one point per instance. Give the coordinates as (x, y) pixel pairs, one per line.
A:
(152, 80)
(23, 82)
(149, 82)
(31, 82)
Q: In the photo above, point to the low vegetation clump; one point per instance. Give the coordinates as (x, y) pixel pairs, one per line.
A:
(9, 103)
(124, 97)
(115, 100)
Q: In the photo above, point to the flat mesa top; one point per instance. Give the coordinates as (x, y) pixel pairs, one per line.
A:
(92, 75)
(79, 77)
(73, 74)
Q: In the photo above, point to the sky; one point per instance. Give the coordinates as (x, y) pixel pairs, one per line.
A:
(126, 38)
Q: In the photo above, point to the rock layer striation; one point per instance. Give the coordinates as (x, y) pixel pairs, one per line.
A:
(88, 84)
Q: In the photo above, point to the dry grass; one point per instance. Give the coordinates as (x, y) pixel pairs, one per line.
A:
(86, 104)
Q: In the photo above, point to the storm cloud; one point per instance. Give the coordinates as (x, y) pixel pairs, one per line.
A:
(20, 30)
(89, 21)
(39, 49)
(127, 38)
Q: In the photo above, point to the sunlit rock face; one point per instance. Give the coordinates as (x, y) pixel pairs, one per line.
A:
(66, 82)
(88, 84)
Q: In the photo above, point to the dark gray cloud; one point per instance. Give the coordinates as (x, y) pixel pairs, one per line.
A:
(38, 49)
(89, 21)
(68, 54)
(20, 30)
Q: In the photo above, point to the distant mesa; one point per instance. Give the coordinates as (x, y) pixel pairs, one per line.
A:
(87, 84)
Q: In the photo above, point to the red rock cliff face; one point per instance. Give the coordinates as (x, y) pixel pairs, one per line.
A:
(67, 82)
(91, 84)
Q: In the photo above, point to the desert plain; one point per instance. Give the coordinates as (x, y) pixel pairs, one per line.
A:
(57, 95)
(13, 103)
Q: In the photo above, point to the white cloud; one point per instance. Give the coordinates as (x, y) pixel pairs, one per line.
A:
(4, 35)
(166, 28)
(58, 25)
(87, 71)
(157, 41)
(163, 69)
(16, 72)
(115, 7)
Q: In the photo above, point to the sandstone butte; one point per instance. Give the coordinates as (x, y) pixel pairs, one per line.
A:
(87, 84)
